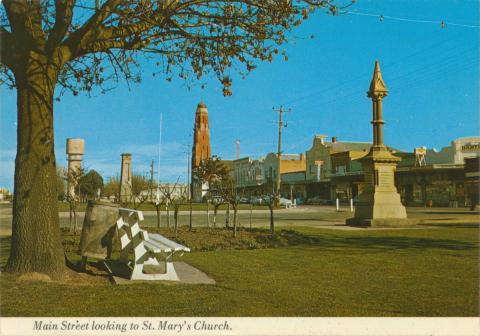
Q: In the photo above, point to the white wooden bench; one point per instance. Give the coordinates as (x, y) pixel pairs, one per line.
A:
(147, 248)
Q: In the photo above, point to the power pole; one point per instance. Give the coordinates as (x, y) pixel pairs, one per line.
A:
(280, 111)
(188, 174)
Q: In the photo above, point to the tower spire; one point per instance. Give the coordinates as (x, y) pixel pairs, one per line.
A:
(377, 85)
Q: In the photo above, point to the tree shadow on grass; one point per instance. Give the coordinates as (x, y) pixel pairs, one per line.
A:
(300, 219)
(453, 225)
(381, 243)
(396, 243)
(453, 212)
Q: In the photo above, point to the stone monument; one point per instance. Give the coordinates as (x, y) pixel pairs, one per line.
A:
(126, 178)
(379, 204)
(75, 151)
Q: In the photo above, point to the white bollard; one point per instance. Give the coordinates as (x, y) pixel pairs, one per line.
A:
(337, 202)
(351, 204)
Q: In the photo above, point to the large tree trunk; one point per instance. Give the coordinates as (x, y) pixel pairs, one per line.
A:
(36, 241)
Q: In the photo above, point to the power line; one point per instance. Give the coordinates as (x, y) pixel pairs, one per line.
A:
(422, 74)
(400, 60)
(441, 23)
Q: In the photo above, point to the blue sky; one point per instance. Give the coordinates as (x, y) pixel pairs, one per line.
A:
(432, 75)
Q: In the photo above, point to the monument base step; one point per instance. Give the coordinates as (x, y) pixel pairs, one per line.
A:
(382, 222)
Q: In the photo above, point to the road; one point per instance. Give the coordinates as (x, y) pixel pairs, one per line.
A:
(314, 216)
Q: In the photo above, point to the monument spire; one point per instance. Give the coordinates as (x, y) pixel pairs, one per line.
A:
(376, 92)
(379, 204)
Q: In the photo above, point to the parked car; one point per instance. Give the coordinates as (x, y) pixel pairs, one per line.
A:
(256, 200)
(244, 200)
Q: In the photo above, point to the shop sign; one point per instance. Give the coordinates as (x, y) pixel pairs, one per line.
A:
(471, 147)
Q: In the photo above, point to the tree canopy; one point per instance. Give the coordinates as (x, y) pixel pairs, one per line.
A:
(90, 183)
(211, 170)
(89, 45)
(112, 187)
(50, 47)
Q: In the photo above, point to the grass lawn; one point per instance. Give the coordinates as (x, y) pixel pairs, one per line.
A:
(309, 272)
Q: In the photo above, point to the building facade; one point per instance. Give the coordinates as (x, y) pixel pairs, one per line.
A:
(319, 164)
(248, 173)
(346, 175)
(441, 180)
(459, 150)
(254, 176)
(290, 163)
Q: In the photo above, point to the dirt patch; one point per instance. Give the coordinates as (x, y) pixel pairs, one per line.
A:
(93, 276)
(214, 239)
(34, 276)
(71, 277)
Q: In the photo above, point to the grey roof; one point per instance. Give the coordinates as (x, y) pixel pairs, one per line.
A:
(341, 146)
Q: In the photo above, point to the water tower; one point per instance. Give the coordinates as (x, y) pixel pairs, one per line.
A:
(75, 151)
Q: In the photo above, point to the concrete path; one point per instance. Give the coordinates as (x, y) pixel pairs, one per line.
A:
(186, 273)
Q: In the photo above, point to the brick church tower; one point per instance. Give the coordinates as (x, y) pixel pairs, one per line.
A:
(201, 145)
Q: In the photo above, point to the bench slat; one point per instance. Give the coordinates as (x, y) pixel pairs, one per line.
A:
(156, 247)
(161, 239)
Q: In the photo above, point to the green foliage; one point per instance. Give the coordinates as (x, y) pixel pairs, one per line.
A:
(211, 170)
(112, 187)
(89, 184)
(140, 184)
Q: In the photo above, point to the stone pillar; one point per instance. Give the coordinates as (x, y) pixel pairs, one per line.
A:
(126, 178)
(75, 149)
(379, 204)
